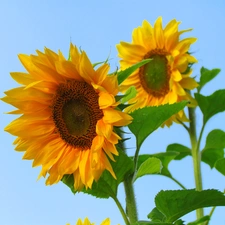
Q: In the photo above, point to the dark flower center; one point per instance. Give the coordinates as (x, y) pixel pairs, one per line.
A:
(75, 112)
(154, 76)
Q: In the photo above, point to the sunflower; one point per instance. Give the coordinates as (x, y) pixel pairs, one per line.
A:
(166, 78)
(68, 116)
(87, 222)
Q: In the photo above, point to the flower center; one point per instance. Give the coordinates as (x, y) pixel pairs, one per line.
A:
(154, 76)
(76, 117)
(75, 112)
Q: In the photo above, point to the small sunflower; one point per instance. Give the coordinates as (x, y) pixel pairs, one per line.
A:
(87, 222)
(68, 116)
(166, 78)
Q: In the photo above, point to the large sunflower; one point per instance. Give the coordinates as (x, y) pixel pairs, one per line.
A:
(166, 78)
(68, 114)
(87, 222)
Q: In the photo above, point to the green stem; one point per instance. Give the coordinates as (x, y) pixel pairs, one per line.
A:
(131, 206)
(196, 155)
(136, 158)
(176, 181)
(121, 211)
(210, 214)
(184, 125)
(200, 137)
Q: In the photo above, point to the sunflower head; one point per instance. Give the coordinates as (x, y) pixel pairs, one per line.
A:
(166, 78)
(68, 113)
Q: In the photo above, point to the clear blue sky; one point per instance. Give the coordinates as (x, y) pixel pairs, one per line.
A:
(97, 26)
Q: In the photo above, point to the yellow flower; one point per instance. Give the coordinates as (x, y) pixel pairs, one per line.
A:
(87, 222)
(68, 116)
(166, 78)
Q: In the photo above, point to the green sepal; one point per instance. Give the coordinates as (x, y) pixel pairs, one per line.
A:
(98, 63)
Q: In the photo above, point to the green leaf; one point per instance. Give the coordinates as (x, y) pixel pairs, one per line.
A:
(123, 75)
(213, 150)
(164, 157)
(106, 186)
(156, 216)
(148, 119)
(206, 76)
(152, 223)
(220, 166)
(179, 222)
(200, 221)
(215, 139)
(130, 93)
(150, 166)
(181, 149)
(175, 204)
(211, 105)
(212, 155)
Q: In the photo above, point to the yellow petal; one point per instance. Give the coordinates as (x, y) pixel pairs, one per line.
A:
(29, 94)
(106, 222)
(85, 169)
(116, 118)
(148, 35)
(184, 45)
(106, 100)
(74, 54)
(110, 84)
(171, 35)
(182, 64)
(70, 162)
(158, 33)
(177, 88)
(102, 72)
(188, 83)
(22, 78)
(103, 129)
(176, 75)
(109, 147)
(97, 143)
(44, 72)
(86, 70)
(172, 97)
(68, 70)
(131, 52)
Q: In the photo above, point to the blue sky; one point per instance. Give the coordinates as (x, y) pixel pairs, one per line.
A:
(96, 26)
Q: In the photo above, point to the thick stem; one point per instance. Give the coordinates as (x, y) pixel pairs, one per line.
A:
(196, 156)
(121, 211)
(131, 206)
